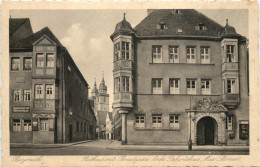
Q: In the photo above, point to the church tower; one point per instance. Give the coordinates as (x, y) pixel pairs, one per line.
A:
(103, 97)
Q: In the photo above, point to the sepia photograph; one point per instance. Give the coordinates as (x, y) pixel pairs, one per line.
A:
(122, 86)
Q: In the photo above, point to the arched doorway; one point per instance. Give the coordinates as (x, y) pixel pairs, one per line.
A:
(207, 131)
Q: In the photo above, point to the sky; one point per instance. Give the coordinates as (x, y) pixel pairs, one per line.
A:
(86, 34)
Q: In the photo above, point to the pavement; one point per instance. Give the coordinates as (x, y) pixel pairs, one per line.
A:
(116, 145)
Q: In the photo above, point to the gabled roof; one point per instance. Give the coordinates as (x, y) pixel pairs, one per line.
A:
(28, 42)
(186, 20)
(16, 23)
(102, 115)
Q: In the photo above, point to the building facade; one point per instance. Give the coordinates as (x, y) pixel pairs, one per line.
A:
(109, 126)
(48, 94)
(180, 76)
(101, 107)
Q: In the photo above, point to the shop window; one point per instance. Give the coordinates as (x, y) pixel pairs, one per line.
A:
(173, 54)
(44, 124)
(27, 125)
(157, 121)
(50, 60)
(157, 86)
(174, 121)
(205, 87)
(39, 60)
(191, 86)
(39, 92)
(125, 51)
(243, 130)
(49, 91)
(174, 86)
(191, 56)
(16, 125)
(27, 63)
(140, 121)
(17, 95)
(15, 64)
(27, 95)
(230, 55)
(205, 55)
(157, 54)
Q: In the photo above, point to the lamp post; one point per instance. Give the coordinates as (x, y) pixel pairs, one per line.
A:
(190, 141)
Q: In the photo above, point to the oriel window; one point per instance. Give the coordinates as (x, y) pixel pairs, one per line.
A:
(173, 54)
(117, 84)
(15, 64)
(27, 63)
(125, 50)
(125, 84)
(117, 51)
(191, 55)
(231, 86)
(39, 60)
(50, 60)
(230, 53)
(205, 55)
(157, 54)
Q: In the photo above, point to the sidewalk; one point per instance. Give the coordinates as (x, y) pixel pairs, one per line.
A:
(57, 145)
(116, 145)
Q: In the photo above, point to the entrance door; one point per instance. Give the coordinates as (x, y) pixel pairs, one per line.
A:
(206, 130)
(71, 133)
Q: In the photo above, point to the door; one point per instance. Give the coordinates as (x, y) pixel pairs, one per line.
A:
(71, 133)
(209, 132)
(206, 131)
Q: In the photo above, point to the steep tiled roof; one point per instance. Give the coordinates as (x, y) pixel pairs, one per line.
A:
(186, 20)
(27, 42)
(102, 117)
(16, 23)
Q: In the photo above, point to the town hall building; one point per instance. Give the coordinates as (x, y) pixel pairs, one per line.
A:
(180, 77)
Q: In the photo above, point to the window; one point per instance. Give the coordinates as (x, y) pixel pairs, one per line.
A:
(125, 50)
(27, 63)
(39, 60)
(176, 11)
(157, 86)
(157, 121)
(140, 121)
(201, 27)
(157, 54)
(49, 91)
(174, 121)
(173, 54)
(17, 95)
(117, 50)
(191, 56)
(161, 26)
(125, 84)
(50, 60)
(174, 86)
(39, 91)
(191, 86)
(44, 124)
(27, 125)
(229, 123)
(77, 126)
(117, 85)
(231, 86)
(204, 55)
(230, 53)
(16, 125)
(205, 87)
(27, 95)
(15, 64)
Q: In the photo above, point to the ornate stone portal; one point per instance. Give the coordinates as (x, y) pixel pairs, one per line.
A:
(209, 108)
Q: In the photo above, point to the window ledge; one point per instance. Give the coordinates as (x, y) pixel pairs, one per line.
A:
(157, 129)
(186, 63)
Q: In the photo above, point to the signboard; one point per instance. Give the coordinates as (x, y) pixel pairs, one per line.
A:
(21, 109)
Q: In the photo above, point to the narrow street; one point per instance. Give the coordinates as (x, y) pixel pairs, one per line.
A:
(100, 148)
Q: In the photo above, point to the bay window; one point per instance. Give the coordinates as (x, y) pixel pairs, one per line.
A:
(125, 84)
(117, 84)
(117, 51)
(39, 91)
(50, 60)
(231, 86)
(49, 91)
(39, 60)
(230, 53)
(125, 50)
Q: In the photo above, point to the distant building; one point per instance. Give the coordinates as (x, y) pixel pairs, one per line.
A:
(48, 94)
(180, 76)
(101, 107)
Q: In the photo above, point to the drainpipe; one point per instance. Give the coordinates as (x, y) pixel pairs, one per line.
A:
(190, 141)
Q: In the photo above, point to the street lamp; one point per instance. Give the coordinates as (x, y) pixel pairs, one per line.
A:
(190, 141)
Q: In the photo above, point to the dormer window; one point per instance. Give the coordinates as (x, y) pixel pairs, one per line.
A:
(179, 30)
(201, 27)
(162, 26)
(176, 11)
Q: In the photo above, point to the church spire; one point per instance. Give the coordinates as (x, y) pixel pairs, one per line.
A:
(102, 86)
(94, 91)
